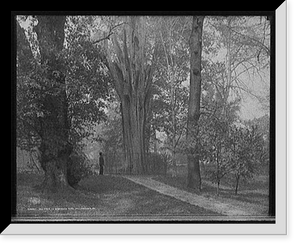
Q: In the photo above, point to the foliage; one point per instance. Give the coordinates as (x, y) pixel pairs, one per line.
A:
(231, 149)
(78, 168)
(28, 94)
(262, 125)
(170, 116)
(214, 149)
(86, 80)
(170, 93)
(158, 163)
(109, 133)
(247, 146)
(27, 114)
(242, 46)
(247, 152)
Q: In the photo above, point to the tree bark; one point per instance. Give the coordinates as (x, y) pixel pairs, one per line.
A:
(194, 178)
(218, 187)
(237, 177)
(55, 147)
(132, 80)
(133, 123)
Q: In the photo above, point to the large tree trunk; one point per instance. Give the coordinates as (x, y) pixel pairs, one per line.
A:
(55, 148)
(133, 120)
(194, 178)
(132, 80)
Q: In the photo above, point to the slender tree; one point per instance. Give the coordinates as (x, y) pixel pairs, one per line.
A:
(194, 178)
(173, 71)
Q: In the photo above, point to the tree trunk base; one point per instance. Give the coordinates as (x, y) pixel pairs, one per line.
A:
(55, 179)
(194, 177)
(194, 185)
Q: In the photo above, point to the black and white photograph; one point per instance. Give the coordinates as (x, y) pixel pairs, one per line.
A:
(145, 118)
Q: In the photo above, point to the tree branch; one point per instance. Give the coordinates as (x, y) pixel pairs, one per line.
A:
(110, 33)
(255, 42)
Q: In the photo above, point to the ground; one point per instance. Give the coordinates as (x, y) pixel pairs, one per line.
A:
(100, 198)
(221, 205)
(115, 198)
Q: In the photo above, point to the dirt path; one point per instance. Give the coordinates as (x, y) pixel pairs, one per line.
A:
(220, 205)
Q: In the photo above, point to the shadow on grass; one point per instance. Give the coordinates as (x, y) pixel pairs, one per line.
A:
(210, 191)
(103, 195)
(31, 196)
(91, 191)
(107, 184)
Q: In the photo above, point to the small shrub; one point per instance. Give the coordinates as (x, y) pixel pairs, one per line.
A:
(158, 163)
(78, 168)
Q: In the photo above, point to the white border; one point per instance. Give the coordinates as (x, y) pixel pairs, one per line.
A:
(281, 173)
(281, 118)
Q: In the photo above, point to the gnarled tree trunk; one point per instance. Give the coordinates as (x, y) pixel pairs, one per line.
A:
(132, 80)
(194, 178)
(54, 124)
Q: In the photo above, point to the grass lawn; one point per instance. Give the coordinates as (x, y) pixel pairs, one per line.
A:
(100, 198)
(251, 192)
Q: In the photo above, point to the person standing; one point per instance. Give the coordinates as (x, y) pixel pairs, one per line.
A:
(101, 163)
